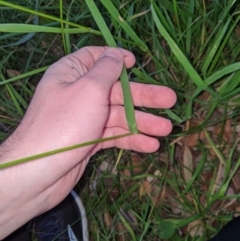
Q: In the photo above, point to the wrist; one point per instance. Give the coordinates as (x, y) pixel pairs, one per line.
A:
(16, 208)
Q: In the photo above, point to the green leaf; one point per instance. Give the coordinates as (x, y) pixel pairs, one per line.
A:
(167, 229)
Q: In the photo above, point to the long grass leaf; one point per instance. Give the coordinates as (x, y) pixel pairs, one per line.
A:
(21, 76)
(21, 8)
(180, 56)
(12, 93)
(31, 28)
(215, 47)
(217, 75)
(130, 32)
(62, 26)
(189, 30)
(28, 36)
(53, 152)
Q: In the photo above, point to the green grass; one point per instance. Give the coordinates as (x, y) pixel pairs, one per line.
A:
(191, 46)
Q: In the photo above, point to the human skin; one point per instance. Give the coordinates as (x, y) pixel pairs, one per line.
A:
(79, 99)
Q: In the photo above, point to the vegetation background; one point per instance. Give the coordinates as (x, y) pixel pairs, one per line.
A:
(188, 189)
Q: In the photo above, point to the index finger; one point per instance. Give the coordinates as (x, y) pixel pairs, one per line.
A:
(145, 95)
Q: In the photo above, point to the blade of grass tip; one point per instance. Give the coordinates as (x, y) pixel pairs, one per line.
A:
(21, 76)
(127, 96)
(118, 160)
(53, 152)
(179, 55)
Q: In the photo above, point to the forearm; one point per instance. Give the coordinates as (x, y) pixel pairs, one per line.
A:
(15, 207)
(14, 214)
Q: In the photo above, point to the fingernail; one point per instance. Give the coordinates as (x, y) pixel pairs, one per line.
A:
(113, 53)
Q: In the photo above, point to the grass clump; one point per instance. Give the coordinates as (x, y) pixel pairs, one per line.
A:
(188, 189)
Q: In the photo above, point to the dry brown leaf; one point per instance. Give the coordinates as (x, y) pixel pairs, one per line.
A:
(12, 73)
(195, 228)
(136, 162)
(193, 139)
(230, 202)
(53, 47)
(236, 181)
(123, 234)
(173, 204)
(157, 194)
(112, 190)
(227, 131)
(204, 95)
(145, 188)
(134, 166)
(105, 166)
(187, 164)
(237, 212)
(154, 192)
(227, 135)
(107, 219)
(126, 173)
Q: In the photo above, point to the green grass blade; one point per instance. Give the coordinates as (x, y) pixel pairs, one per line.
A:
(28, 74)
(222, 46)
(196, 173)
(128, 227)
(62, 27)
(31, 28)
(130, 32)
(189, 30)
(214, 147)
(28, 36)
(128, 102)
(18, 7)
(12, 94)
(180, 56)
(215, 47)
(67, 36)
(53, 152)
(219, 74)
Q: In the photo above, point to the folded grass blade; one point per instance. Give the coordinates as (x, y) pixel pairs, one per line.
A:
(128, 103)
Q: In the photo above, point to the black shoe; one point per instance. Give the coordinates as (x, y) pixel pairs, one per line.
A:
(230, 232)
(65, 222)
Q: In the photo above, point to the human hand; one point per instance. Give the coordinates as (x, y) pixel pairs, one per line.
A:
(77, 100)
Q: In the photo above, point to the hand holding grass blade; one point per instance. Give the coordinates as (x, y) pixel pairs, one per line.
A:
(78, 100)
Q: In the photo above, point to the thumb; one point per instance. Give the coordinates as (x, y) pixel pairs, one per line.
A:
(106, 70)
